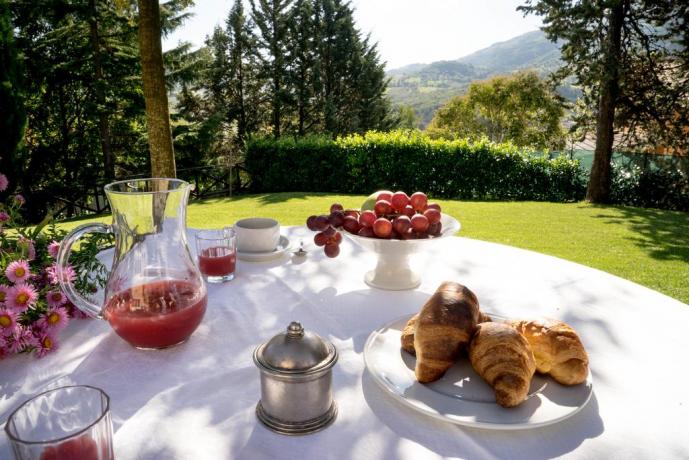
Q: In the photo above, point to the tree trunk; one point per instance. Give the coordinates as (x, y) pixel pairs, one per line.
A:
(155, 92)
(103, 124)
(598, 190)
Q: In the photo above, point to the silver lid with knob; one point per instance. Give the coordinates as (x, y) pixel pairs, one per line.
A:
(296, 380)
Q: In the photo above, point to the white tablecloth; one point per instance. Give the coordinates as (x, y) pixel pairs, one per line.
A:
(197, 401)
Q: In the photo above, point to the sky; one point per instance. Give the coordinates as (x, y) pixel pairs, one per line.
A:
(407, 31)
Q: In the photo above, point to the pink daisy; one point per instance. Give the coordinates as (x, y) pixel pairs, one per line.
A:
(4, 292)
(4, 217)
(8, 322)
(55, 298)
(27, 247)
(18, 340)
(68, 274)
(54, 319)
(3, 182)
(53, 248)
(21, 297)
(46, 344)
(18, 271)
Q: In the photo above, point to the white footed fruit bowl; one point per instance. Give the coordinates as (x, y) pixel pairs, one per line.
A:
(393, 271)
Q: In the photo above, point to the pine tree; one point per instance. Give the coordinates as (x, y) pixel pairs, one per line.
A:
(272, 21)
(303, 61)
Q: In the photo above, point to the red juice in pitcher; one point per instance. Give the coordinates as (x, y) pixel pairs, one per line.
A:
(158, 314)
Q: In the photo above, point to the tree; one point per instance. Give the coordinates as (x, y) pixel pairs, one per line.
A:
(521, 109)
(13, 119)
(407, 117)
(272, 21)
(631, 58)
(155, 91)
(302, 63)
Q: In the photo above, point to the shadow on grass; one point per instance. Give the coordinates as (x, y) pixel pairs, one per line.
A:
(664, 235)
(269, 198)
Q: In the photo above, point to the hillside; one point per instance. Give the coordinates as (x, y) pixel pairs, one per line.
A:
(428, 86)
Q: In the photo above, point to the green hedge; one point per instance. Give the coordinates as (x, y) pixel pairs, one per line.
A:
(410, 161)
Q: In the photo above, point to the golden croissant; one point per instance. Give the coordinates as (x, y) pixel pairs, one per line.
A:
(407, 337)
(557, 349)
(444, 326)
(503, 358)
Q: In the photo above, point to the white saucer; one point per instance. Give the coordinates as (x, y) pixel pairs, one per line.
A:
(282, 248)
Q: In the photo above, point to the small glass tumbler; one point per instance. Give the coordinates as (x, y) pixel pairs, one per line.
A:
(217, 253)
(67, 423)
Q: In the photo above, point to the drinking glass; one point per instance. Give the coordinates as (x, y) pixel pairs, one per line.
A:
(217, 254)
(67, 423)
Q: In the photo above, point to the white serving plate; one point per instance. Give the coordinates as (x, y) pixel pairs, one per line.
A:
(461, 396)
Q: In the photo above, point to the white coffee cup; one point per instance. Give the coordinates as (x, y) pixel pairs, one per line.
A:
(257, 234)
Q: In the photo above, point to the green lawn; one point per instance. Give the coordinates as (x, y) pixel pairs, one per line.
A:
(647, 246)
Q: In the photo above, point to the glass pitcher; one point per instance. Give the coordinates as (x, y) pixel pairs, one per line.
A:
(155, 296)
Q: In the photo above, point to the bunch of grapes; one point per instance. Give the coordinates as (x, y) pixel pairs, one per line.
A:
(394, 216)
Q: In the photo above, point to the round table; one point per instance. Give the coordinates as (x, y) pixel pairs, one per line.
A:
(197, 400)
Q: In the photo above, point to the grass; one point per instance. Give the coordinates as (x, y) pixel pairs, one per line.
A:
(647, 246)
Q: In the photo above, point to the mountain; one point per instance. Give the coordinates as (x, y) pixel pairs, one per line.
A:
(428, 86)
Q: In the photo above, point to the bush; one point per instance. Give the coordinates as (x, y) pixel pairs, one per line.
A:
(407, 160)
(664, 189)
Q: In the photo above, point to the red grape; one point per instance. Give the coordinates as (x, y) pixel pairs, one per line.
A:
(311, 223)
(395, 236)
(366, 232)
(419, 223)
(329, 232)
(351, 224)
(336, 207)
(432, 214)
(336, 238)
(401, 224)
(336, 218)
(320, 239)
(435, 228)
(433, 206)
(408, 235)
(332, 249)
(382, 208)
(399, 201)
(387, 196)
(321, 223)
(418, 201)
(367, 218)
(408, 211)
(352, 212)
(382, 227)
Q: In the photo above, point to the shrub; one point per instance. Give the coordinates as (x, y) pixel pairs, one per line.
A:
(409, 160)
(665, 189)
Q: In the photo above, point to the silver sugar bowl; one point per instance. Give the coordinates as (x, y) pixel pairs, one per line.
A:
(296, 381)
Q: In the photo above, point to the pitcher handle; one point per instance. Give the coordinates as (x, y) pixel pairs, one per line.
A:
(81, 302)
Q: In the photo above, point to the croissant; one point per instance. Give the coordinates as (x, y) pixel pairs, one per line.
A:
(503, 358)
(407, 337)
(445, 324)
(557, 349)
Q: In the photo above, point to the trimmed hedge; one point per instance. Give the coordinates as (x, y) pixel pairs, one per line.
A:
(410, 161)
(663, 189)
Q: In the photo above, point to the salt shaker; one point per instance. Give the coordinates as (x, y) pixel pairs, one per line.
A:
(296, 381)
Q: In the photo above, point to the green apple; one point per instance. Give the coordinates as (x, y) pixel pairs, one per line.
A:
(370, 202)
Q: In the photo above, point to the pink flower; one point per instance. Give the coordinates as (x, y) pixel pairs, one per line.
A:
(22, 296)
(4, 217)
(18, 271)
(46, 344)
(3, 182)
(4, 292)
(55, 298)
(53, 249)
(54, 319)
(8, 322)
(20, 340)
(19, 199)
(68, 274)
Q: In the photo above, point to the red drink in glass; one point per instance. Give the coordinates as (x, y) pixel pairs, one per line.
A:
(158, 314)
(81, 448)
(217, 261)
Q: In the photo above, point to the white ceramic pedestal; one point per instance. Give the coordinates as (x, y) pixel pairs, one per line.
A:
(393, 270)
